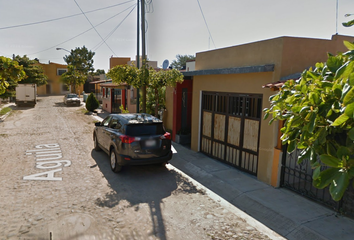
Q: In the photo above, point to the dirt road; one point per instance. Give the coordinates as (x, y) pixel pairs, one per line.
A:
(55, 186)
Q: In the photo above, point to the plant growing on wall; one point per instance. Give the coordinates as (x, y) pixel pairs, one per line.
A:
(318, 110)
(154, 80)
(162, 79)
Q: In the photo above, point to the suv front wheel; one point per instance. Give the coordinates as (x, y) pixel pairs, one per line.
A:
(114, 163)
(95, 143)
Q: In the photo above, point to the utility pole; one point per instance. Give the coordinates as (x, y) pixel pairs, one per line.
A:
(143, 89)
(138, 55)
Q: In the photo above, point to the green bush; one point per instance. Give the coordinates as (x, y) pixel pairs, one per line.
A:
(318, 110)
(92, 103)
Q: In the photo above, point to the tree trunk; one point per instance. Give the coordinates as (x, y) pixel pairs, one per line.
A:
(156, 102)
(143, 93)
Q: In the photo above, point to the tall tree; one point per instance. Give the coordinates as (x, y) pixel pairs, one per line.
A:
(80, 64)
(35, 73)
(181, 61)
(10, 71)
(73, 77)
(99, 72)
(151, 78)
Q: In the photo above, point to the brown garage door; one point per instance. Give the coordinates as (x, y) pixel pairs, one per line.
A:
(230, 128)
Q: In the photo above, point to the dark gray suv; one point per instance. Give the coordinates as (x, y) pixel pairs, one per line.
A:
(133, 139)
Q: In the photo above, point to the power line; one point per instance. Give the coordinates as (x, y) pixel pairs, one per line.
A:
(82, 32)
(97, 46)
(55, 19)
(95, 28)
(201, 10)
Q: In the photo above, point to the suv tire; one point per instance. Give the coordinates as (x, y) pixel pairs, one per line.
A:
(95, 142)
(113, 162)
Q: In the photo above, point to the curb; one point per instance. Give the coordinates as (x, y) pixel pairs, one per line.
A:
(3, 117)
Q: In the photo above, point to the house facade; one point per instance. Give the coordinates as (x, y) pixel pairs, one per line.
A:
(227, 99)
(54, 85)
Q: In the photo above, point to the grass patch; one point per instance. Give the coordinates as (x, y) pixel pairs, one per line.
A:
(3, 135)
(83, 110)
(5, 110)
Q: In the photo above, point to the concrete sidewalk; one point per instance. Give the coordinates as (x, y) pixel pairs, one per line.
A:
(285, 212)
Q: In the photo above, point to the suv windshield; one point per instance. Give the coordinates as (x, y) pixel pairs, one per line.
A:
(72, 96)
(144, 129)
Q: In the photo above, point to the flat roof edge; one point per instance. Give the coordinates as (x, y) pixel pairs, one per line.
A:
(233, 70)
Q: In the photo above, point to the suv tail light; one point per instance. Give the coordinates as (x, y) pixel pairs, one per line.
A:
(167, 135)
(127, 139)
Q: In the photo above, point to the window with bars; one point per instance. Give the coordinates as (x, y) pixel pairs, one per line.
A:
(208, 101)
(253, 107)
(221, 104)
(235, 105)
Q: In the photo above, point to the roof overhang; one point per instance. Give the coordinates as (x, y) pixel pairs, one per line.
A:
(233, 70)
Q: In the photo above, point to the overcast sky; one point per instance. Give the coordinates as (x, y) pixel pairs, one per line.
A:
(173, 26)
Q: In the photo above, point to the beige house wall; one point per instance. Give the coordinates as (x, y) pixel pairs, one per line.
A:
(238, 83)
(114, 61)
(53, 79)
(56, 86)
(301, 53)
(288, 54)
(168, 117)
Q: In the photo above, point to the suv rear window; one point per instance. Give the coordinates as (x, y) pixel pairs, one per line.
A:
(144, 129)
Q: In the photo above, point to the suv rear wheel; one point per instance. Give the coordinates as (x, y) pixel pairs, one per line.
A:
(114, 163)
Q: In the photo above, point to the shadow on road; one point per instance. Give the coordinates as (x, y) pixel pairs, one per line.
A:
(142, 184)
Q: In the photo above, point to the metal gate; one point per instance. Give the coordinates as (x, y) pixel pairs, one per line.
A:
(298, 178)
(230, 128)
(116, 100)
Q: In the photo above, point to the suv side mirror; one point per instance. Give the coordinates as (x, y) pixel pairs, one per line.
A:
(97, 124)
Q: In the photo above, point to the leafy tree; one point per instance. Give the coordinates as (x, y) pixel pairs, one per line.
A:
(318, 110)
(130, 75)
(181, 61)
(154, 80)
(81, 59)
(92, 103)
(125, 74)
(350, 23)
(35, 73)
(9, 71)
(10, 90)
(73, 77)
(161, 79)
(99, 72)
(80, 64)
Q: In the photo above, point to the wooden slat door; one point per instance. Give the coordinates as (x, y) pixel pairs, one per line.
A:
(230, 128)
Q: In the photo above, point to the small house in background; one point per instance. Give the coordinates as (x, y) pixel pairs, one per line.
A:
(113, 96)
(54, 85)
(95, 88)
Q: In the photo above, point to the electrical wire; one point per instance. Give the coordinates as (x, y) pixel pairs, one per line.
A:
(82, 32)
(55, 19)
(149, 7)
(95, 28)
(201, 10)
(97, 46)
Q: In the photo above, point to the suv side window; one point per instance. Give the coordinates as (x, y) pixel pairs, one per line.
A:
(106, 121)
(115, 124)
